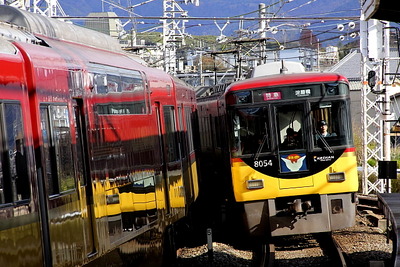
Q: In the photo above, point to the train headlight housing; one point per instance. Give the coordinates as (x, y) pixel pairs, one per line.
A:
(255, 184)
(336, 177)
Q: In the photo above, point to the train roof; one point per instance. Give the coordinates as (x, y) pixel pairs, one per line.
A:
(286, 79)
(52, 28)
(276, 67)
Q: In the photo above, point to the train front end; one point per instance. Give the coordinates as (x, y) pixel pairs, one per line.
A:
(293, 162)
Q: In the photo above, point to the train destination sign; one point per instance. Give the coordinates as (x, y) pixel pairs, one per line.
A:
(302, 92)
(272, 96)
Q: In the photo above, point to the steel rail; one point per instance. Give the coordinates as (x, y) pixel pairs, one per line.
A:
(390, 204)
(331, 248)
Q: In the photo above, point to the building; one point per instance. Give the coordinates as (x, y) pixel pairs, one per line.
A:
(112, 27)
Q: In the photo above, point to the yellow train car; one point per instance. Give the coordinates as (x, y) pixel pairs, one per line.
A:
(277, 155)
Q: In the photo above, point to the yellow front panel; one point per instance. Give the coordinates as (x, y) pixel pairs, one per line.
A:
(296, 183)
(278, 187)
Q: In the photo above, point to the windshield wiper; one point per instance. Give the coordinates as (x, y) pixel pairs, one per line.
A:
(326, 145)
(260, 147)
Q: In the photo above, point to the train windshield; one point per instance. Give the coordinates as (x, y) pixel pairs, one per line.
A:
(294, 126)
(331, 124)
(290, 124)
(250, 131)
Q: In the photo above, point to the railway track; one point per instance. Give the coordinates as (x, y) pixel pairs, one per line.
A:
(363, 244)
(331, 248)
(323, 247)
(368, 203)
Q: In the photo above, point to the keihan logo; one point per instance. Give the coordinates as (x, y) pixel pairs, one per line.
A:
(294, 162)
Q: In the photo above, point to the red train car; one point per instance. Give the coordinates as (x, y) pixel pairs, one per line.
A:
(97, 162)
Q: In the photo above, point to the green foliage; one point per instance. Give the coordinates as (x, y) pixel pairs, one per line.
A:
(358, 145)
(345, 49)
(396, 185)
(372, 162)
(151, 38)
(357, 136)
(395, 155)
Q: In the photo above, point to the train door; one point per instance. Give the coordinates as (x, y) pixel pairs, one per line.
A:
(185, 155)
(163, 159)
(172, 169)
(65, 224)
(173, 159)
(291, 137)
(83, 177)
(20, 234)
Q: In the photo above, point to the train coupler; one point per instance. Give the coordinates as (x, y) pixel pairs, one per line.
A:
(299, 206)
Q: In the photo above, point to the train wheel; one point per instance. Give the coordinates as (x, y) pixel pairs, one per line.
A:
(263, 255)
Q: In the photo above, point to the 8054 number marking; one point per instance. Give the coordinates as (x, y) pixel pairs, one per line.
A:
(262, 163)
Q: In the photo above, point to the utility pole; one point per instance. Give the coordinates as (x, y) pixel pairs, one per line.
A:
(262, 23)
(22, 4)
(48, 8)
(376, 110)
(173, 31)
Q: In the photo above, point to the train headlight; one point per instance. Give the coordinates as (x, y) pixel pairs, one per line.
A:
(336, 177)
(255, 184)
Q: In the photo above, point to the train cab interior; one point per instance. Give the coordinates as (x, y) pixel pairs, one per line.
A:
(310, 126)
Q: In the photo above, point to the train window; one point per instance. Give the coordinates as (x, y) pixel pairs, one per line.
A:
(331, 125)
(128, 84)
(75, 82)
(14, 176)
(121, 108)
(57, 148)
(79, 132)
(46, 150)
(188, 118)
(170, 129)
(133, 83)
(290, 122)
(181, 131)
(205, 131)
(100, 83)
(113, 84)
(250, 128)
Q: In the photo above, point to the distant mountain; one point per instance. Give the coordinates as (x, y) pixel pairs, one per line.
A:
(229, 8)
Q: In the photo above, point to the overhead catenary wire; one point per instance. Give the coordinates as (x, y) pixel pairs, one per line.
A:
(316, 20)
(215, 18)
(299, 6)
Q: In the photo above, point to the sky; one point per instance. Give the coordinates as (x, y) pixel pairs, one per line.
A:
(231, 8)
